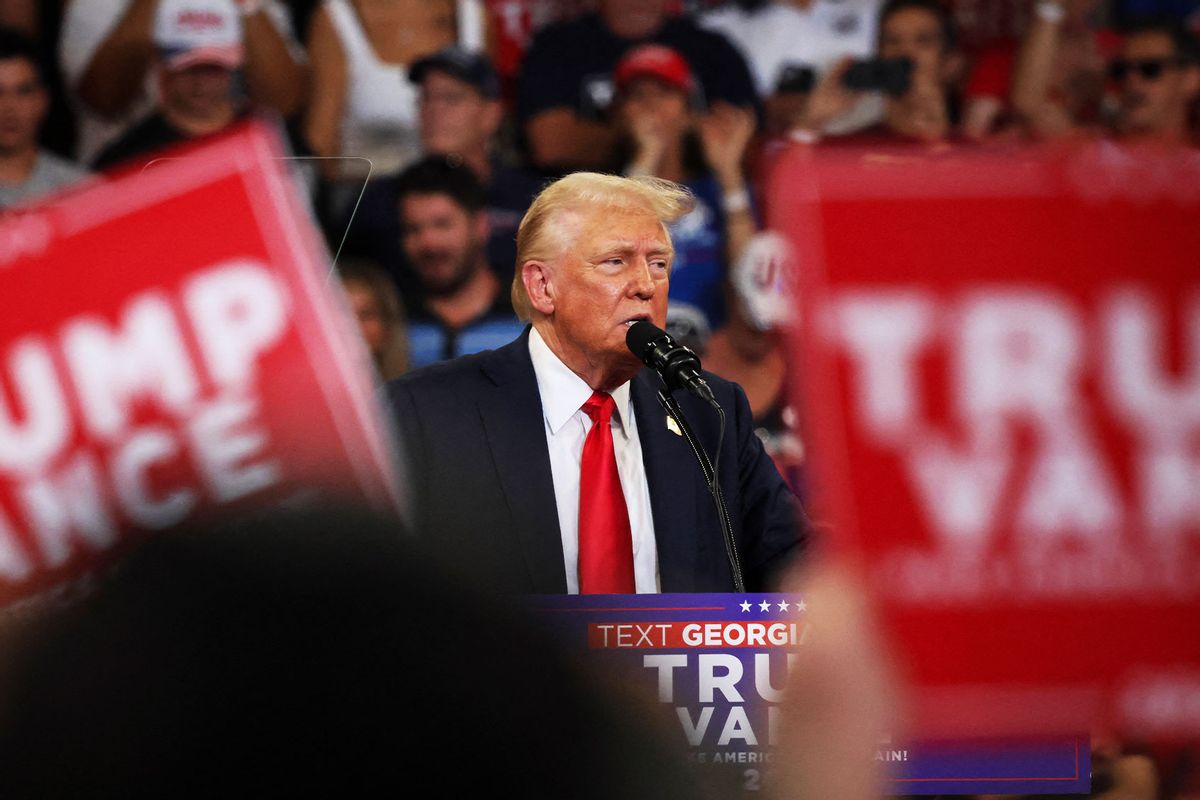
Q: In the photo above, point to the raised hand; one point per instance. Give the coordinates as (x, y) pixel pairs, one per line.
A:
(725, 131)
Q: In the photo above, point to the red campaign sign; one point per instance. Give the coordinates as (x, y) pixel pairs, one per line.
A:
(1000, 362)
(171, 352)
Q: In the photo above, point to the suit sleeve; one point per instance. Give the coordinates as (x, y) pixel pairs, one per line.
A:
(774, 531)
(404, 412)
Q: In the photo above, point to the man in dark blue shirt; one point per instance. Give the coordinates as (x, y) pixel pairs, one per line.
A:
(457, 304)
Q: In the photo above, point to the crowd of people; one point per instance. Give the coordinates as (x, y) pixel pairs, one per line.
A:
(423, 130)
(429, 126)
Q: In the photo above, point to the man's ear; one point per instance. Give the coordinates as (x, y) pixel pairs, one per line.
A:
(537, 277)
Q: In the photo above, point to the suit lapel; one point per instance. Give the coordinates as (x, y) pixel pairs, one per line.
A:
(512, 418)
(674, 478)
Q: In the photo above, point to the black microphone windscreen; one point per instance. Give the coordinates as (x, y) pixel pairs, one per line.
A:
(641, 336)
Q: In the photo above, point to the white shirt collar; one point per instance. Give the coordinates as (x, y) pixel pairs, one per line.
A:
(563, 392)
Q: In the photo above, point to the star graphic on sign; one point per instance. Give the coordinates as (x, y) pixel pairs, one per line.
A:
(802, 606)
(764, 606)
(745, 606)
(783, 605)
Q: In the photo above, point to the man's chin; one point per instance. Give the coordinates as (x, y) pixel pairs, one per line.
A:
(440, 284)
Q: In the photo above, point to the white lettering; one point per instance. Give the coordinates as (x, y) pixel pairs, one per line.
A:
(883, 333)
(238, 311)
(29, 445)
(68, 504)
(666, 666)
(737, 726)
(223, 444)
(726, 683)
(1019, 354)
(1140, 386)
(146, 358)
(130, 465)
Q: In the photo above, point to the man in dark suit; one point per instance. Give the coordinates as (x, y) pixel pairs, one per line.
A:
(547, 465)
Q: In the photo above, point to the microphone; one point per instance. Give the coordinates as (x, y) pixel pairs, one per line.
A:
(678, 366)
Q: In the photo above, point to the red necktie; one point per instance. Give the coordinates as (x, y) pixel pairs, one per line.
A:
(605, 541)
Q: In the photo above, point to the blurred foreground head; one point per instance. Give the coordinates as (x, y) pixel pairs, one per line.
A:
(299, 653)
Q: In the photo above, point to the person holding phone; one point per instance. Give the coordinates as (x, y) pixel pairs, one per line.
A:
(918, 62)
(667, 130)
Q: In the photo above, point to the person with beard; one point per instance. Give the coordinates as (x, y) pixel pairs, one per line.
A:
(458, 304)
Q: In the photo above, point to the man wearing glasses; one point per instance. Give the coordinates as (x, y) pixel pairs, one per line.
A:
(1158, 77)
(1153, 80)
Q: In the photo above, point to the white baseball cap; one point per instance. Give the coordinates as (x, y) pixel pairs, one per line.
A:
(189, 32)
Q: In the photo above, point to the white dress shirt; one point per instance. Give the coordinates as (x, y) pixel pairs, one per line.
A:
(563, 394)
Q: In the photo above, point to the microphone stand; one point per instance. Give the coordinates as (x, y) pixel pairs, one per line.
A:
(710, 476)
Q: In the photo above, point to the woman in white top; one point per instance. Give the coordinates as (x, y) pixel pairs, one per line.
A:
(363, 105)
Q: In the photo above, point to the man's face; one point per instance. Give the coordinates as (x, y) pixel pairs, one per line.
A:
(22, 105)
(455, 117)
(915, 33)
(615, 270)
(441, 240)
(1153, 103)
(201, 90)
(651, 99)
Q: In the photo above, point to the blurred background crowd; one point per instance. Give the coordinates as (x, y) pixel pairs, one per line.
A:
(420, 130)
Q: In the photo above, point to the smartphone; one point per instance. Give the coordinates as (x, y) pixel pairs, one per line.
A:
(890, 75)
(795, 79)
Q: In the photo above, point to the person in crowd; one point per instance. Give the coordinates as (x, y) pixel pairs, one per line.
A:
(789, 43)
(993, 104)
(199, 44)
(363, 105)
(922, 32)
(457, 304)
(459, 117)
(109, 57)
(666, 134)
(751, 351)
(376, 306)
(1156, 72)
(547, 466)
(566, 84)
(26, 170)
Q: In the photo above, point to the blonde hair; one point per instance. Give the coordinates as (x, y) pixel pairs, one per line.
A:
(392, 361)
(540, 239)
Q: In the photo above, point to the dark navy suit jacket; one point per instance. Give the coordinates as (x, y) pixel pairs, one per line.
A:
(478, 467)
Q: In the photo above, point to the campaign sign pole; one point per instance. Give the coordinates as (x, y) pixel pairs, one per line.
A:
(171, 352)
(1000, 368)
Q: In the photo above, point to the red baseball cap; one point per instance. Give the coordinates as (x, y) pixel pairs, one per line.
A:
(654, 61)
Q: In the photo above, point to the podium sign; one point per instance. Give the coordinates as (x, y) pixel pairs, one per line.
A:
(720, 664)
(170, 352)
(1000, 364)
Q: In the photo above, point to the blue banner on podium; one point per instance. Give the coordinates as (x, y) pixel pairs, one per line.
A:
(721, 662)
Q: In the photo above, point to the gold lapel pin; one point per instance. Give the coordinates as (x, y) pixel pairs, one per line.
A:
(672, 426)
